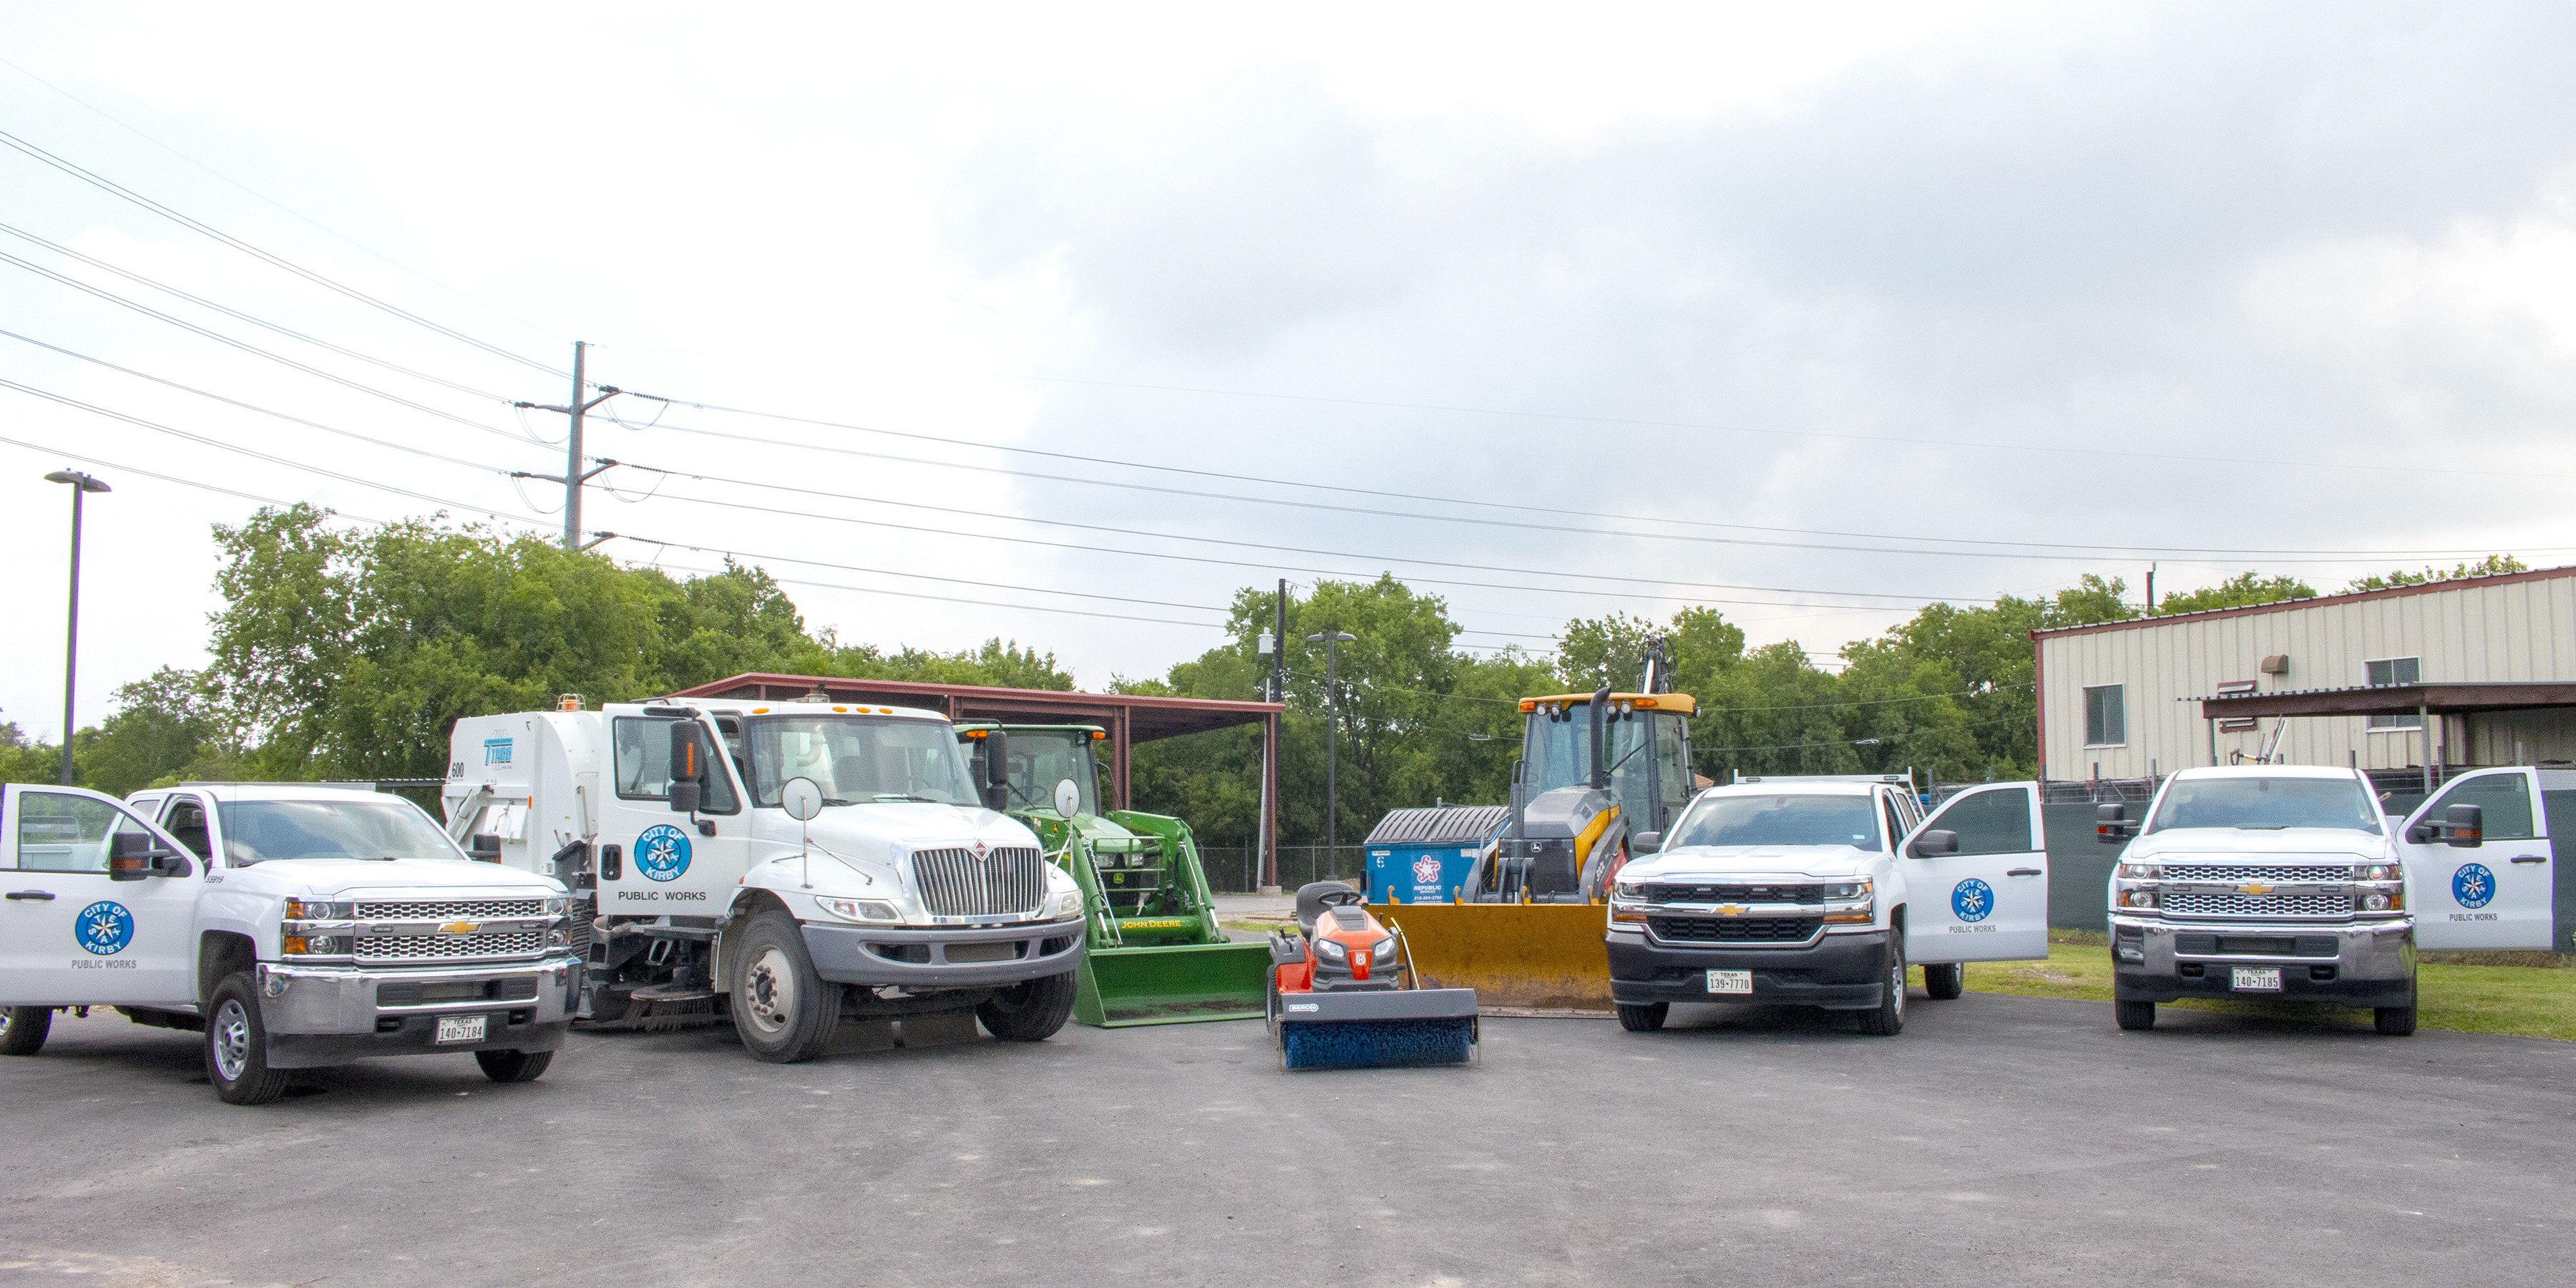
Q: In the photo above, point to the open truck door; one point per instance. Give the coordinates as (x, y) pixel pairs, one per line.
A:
(99, 907)
(1976, 873)
(2495, 892)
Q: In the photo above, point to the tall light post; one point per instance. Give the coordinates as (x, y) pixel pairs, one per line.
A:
(81, 484)
(1332, 739)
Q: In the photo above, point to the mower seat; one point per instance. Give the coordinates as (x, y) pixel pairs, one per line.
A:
(1310, 902)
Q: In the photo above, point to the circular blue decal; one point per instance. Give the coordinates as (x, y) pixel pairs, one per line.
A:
(2473, 885)
(104, 928)
(1972, 899)
(662, 852)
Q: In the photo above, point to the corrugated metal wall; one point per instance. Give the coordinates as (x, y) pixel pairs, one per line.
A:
(2513, 630)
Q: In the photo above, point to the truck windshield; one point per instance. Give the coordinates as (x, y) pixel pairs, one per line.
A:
(367, 827)
(1041, 758)
(2265, 804)
(1779, 820)
(857, 759)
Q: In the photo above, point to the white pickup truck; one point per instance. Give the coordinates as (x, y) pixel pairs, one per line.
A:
(294, 924)
(1817, 890)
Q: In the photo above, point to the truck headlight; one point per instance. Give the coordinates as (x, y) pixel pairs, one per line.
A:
(2379, 901)
(315, 910)
(2141, 872)
(1065, 903)
(2137, 899)
(1851, 903)
(2379, 872)
(559, 906)
(315, 945)
(1627, 890)
(860, 909)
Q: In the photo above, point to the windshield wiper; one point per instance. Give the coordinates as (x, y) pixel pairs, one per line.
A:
(2262, 827)
(906, 796)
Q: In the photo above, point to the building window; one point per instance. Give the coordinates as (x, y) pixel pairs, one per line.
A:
(2389, 671)
(2106, 720)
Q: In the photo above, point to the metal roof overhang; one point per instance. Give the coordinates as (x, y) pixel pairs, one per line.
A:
(2392, 700)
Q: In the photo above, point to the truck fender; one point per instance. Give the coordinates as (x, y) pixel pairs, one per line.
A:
(747, 904)
(221, 953)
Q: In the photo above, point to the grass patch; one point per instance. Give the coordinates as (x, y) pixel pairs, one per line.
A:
(2534, 1001)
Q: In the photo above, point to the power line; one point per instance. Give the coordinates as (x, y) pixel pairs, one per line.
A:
(918, 576)
(119, 190)
(983, 603)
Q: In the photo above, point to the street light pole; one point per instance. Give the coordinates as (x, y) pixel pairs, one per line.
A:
(1332, 740)
(81, 484)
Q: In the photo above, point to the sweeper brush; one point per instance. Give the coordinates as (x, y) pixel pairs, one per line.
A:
(1343, 996)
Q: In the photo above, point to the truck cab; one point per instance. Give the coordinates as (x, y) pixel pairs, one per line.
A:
(1819, 890)
(294, 924)
(1596, 769)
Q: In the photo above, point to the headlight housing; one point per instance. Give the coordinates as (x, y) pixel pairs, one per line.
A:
(860, 909)
(559, 906)
(2141, 872)
(315, 945)
(1384, 952)
(319, 910)
(2137, 899)
(1065, 903)
(1627, 890)
(2379, 872)
(1331, 950)
(1851, 903)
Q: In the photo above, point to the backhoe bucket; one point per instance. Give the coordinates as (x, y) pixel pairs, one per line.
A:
(1536, 956)
(1124, 987)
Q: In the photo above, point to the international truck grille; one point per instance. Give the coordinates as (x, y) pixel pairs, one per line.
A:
(475, 909)
(412, 948)
(1004, 883)
(1734, 930)
(1734, 894)
(2297, 874)
(2195, 904)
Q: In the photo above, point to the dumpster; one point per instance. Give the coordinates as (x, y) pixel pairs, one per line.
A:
(1421, 855)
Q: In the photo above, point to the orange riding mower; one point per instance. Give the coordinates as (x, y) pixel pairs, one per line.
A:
(1343, 993)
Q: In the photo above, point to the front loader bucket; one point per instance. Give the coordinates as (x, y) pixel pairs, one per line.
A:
(1540, 956)
(1122, 987)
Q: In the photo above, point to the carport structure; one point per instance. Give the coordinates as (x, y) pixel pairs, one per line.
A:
(2423, 701)
(1128, 718)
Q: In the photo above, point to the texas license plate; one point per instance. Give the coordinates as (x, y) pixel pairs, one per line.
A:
(470, 1028)
(2258, 979)
(1731, 981)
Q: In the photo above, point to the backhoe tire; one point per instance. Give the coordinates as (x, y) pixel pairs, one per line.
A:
(1029, 1012)
(1887, 1019)
(784, 1012)
(23, 1029)
(514, 1066)
(1943, 981)
(237, 1045)
(1643, 1017)
(2135, 1016)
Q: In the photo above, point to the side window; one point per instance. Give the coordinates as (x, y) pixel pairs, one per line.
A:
(2506, 798)
(1672, 764)
(2385, 672)
(59, 832)
(2106, 716)
(185, 821)
(1894, 817)
(643, 764)
(1994, 822)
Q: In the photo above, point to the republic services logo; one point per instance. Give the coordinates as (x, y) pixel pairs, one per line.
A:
(1426, 870)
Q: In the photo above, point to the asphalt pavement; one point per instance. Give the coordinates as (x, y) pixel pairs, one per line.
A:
(1998, 1141)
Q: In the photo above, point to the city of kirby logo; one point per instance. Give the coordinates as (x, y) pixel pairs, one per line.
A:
(1972, 899)
(1426, 871)
(104, 928)
(662, 852)
(2473, 885)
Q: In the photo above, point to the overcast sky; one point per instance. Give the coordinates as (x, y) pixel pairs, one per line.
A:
(1822, 312)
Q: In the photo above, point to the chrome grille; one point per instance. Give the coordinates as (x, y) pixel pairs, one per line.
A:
(2195, 904)
(1659, 893)
(1735, 930)
(410, 948)
(2305, 873)
(425, 909)
(1005, 882)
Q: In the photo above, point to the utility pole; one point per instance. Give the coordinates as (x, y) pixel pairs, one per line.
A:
(573, 476)
(1279, 655)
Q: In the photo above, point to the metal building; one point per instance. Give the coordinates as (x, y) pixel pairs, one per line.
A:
(2477, 671)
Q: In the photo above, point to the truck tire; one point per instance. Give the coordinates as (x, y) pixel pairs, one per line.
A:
(2138, 1016)
(1643, 1017)
(784, 1011)
(1029, 1012)
(514, 1066)
(2396, 1021)
(1943, 981)
(23, 1029)
(1888, 1018)
(237, 1045)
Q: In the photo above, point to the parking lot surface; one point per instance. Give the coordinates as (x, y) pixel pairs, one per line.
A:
(2000, 1140)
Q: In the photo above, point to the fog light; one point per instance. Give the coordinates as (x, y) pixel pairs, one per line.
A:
(2374, 902)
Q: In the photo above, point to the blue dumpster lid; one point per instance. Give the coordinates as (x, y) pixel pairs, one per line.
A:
(1450, 825)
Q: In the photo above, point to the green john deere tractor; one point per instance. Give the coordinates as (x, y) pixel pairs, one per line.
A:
(1153, 952)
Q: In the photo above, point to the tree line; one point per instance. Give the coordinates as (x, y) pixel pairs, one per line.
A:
(349, 653)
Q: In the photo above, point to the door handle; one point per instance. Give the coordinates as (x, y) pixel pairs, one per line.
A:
(45, 895)
(2530, 858)
(2027, 872)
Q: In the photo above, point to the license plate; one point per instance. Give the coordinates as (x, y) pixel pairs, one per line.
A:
(2258, 979)
(1730, 981)
(470, 1028)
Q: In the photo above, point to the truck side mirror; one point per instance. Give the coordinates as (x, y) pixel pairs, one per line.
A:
(132, 856)
(1935, 843)
(484, 848)
(684, 796)
(997, 771)
(688, 766)
(1645, 842)
(2111, 824)
(2464, 826)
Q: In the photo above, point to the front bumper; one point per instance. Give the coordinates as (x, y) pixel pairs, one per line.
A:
(322, 1015)
(1837, 972)
(927, 957)
(2373, 963)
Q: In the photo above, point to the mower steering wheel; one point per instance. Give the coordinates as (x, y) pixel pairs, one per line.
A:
(1341, 899)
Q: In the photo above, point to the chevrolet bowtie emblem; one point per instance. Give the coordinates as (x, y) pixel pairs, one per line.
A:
(462, 927)
(2255, 889)
(1730, 910)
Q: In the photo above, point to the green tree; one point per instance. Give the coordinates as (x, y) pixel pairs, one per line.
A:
(2492, 565)
(2240, 591)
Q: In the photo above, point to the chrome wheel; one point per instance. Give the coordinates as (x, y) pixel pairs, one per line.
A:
(1896, 982)
(228, 1040)
(769, 992)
